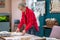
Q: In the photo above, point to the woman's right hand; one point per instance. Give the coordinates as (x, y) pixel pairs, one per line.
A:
(17, 30)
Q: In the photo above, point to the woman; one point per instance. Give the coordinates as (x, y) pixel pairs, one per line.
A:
(28, 18)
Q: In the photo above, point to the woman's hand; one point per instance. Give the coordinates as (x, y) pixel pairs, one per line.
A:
(23, 32)
(17, 30)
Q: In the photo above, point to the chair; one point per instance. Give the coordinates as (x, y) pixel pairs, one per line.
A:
(55, 32)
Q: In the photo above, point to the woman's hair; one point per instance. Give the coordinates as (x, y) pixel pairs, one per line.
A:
(22, 4)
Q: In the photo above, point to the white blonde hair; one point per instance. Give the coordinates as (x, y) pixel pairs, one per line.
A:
(22, 4)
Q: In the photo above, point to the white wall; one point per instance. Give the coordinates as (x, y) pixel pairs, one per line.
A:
(16, 14)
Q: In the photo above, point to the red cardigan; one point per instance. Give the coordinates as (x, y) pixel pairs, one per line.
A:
(29, 19)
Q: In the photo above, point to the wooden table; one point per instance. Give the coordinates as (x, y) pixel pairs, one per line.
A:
(25, 37)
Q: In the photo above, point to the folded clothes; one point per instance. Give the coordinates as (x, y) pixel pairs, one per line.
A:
(16, 34)
(5, 34)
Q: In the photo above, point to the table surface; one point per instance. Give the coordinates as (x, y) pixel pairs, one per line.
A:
(26, 35)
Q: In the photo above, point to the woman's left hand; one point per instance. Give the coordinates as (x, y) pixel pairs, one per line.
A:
(23, 32)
